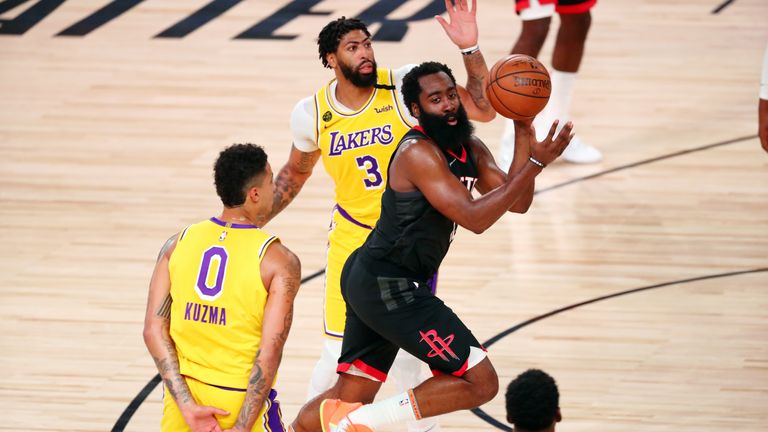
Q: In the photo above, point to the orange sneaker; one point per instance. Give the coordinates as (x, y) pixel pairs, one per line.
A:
(333, 411)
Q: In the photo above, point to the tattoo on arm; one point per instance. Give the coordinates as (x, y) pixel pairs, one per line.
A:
(168, 244)
(286, 187)
(257, 393)
(169, 371)
(475, 65)
(164, 311)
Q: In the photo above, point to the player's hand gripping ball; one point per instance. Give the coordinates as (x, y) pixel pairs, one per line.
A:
(519, 87)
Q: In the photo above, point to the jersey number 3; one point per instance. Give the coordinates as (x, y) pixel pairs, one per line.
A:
(210, 278)
(371, 167)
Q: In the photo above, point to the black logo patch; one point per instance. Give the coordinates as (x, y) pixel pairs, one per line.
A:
(327, 116)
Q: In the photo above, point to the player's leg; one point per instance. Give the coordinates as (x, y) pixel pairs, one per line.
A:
(408, 372)
(575, 21)
(343, 238)
(414, 319)
(536, 16)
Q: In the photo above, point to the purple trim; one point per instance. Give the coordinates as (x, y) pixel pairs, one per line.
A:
(348, 217)
(273, 414)
(227, 388)
(218, 221)
(432, 283)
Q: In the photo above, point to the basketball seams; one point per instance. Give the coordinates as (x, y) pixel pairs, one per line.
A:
(518, 83)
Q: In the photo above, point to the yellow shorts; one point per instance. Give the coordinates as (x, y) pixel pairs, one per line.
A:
(343, 238)
(269, 420)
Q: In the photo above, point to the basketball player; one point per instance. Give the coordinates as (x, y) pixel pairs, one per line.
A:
(575, 19)
(354, 123)
(533, 402)
(220, 307)
(385, 282)
(762, 109)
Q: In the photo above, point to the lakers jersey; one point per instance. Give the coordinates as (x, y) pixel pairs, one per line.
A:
(218, 300)
(356, 145)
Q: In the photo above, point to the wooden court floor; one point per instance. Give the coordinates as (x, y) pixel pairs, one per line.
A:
(640, 283)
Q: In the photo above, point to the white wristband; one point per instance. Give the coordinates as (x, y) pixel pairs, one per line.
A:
(471, 50)
(536, 162)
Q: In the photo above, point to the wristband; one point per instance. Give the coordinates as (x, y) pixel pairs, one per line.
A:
(471, 50)
(536, 162)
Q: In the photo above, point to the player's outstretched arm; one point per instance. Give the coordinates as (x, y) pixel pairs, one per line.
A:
(157, 323)
(461, 28)
(281, 274)
(290, 179)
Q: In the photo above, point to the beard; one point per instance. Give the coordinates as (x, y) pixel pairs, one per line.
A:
(446, 136)
(356, 78)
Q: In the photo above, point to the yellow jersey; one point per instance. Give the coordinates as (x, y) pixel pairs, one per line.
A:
(356, 146)
(218, 300)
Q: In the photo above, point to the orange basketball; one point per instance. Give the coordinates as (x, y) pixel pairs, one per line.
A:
(519, 87)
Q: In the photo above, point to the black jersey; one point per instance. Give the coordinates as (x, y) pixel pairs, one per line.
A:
(411, 234)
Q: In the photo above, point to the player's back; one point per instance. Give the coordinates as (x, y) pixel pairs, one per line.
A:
(218, 300)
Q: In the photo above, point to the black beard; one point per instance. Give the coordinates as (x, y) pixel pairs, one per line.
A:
(356, 78)
(444, 135)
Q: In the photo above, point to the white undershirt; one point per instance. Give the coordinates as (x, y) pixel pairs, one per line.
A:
(303, 114)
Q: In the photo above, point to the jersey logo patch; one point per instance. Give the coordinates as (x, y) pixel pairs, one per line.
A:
(383, 109)
(327, 116)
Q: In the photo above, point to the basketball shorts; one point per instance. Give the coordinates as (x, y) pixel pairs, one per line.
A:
(387, 311)
(269, 419)
(537, 9)
(344, 237)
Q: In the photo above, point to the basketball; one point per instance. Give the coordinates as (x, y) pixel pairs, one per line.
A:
(519, 87)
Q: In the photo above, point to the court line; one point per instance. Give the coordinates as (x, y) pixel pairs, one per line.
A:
(130, 410)
(487, 418)
(724, 5)
(125, 417)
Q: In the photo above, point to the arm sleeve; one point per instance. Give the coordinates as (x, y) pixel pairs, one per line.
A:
(764, 78)
(397, 76)
(303, 125)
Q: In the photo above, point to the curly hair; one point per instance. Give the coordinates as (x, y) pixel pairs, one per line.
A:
(331, 34)
(237, 167)
(411, 88)
(532, 400)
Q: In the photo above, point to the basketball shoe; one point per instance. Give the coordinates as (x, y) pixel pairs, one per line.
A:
(581, 153)
(333, 416)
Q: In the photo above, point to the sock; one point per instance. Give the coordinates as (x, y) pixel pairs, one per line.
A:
(396, 409)
(559, 105)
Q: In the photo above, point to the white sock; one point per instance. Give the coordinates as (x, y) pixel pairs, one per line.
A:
(389, 411)
(559, 105)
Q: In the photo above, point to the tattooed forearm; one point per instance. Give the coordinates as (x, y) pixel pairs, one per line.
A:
(477, 78)
(164, 311)
(255, 397)
(168, 367)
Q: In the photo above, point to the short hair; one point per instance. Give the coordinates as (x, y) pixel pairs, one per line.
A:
(532, 400)
(236, 168)
(331, 34)
(411, 88)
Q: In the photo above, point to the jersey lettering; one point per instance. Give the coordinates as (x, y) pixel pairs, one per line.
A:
(341, 142)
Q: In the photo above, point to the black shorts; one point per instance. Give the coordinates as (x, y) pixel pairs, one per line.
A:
(387, 310)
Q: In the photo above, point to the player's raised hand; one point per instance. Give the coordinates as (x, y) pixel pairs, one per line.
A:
(552, 147)
(462, 27)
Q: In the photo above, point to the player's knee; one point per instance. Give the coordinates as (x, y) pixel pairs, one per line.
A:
(485, 382)
(535, 31)
(488, 390)
(577, 25)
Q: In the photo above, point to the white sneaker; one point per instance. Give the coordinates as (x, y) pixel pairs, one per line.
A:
(580, 153)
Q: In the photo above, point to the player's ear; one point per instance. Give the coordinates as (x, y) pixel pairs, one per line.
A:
(558, 416)
(253, 194)
(415, 109)
(331, 59)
